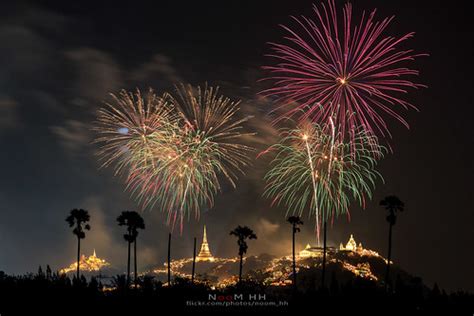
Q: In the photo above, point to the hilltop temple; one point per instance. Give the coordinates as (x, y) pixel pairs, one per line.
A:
(310, 252)
(87, 264)
(204, 254)
(221, 271)
(351, 246)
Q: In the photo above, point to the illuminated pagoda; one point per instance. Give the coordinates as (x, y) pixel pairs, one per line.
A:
(87, 264)
(350, 246)
(359, 249)
(204, 253)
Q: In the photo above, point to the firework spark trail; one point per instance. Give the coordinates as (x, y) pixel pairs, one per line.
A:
(313, 170)
(329, 69)
(173, 149)
(313, 178)
(314, 174)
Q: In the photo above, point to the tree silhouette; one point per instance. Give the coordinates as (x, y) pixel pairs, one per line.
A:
(134, 222)
(393, 205)
(49, 273)
(194, 261)
(79, 218)
(242, 233)
(295, 221)
(323, 272)
(169, 259)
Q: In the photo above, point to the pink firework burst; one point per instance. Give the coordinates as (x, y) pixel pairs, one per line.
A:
(349, 71)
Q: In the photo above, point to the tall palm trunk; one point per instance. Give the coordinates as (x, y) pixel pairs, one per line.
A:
(194, 261)
(78, 256)
(323, 276)
(294, 258)
(169, 259)
(387, 272)
(135, 262)
(240, 268)
(128, 265)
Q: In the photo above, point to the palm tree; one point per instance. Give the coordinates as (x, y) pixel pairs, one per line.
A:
(242, 233)
(295, 221)
(133, 221)
(79, 218)
(393, 205)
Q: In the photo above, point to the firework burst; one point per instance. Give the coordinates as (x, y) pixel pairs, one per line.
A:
(131, 129)
(314, 170)
(174, 148)
(329, 69)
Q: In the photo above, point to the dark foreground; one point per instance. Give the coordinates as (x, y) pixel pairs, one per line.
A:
(52, 294)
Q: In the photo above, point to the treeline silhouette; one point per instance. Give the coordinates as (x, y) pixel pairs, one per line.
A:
(48, 291)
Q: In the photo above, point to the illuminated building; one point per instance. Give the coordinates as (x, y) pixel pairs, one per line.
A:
(316, 252)
(204, 253)
(87, 264)
(353, 247)
(311, 252)
(350, 246)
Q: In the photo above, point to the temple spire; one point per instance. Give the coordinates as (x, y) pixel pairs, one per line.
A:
(204, 237)
(204, 253)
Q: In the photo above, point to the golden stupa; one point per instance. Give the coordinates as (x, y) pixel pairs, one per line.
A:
(204, 253)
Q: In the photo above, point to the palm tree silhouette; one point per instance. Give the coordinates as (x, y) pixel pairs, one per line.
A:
(392, 204)
(242, 233)
(295, 221)
(79, 218)
(133, 221)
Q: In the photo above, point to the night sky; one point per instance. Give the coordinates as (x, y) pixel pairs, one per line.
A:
(59, 60)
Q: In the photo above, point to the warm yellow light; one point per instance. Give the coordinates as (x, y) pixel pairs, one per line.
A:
(305, 137)
(91, 263)
(342, 81)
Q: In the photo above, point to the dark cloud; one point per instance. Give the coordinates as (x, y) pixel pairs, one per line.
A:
(74, 136)
(96, 75)
(160, 68)
(9, 117)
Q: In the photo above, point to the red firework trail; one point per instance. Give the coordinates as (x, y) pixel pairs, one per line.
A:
(350, 71)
